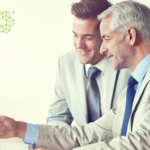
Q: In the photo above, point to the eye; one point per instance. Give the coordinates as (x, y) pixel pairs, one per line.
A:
(106, 40)
(89, 39)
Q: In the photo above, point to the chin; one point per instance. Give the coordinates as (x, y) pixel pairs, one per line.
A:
(117, 67)
(83, 61)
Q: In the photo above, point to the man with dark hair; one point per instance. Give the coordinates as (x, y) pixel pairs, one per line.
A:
(74, 97)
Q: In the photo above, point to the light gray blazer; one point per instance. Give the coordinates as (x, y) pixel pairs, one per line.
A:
(106, 131)
(69, 100)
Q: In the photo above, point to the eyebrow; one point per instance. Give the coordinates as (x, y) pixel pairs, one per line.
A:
(85, 34)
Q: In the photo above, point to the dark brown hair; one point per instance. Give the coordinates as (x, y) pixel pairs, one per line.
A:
(86, 9)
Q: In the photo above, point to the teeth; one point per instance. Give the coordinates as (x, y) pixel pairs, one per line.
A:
(83, 52)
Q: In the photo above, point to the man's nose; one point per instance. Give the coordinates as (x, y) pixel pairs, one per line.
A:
(80, 44)
(103, 48)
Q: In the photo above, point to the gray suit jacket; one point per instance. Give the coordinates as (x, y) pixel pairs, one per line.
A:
(105, 132)
(69, 100)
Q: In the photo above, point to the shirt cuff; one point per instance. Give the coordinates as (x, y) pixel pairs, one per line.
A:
(31, 134)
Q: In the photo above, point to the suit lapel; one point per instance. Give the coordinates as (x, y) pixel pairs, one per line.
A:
(81, 89)
(138, 98)
(110, 81)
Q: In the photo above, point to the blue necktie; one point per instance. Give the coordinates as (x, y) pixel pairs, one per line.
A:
(129, 100)
(93, 97)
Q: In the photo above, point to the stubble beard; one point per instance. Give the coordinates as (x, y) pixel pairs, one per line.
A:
(122, 61)
(118, 66)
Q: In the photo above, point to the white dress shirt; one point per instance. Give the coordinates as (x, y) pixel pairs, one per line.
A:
(101, 81)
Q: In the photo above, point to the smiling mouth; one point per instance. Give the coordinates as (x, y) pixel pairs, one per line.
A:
(83, 52)
(110, 56)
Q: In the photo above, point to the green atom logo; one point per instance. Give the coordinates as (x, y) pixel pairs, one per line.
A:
(6, 22)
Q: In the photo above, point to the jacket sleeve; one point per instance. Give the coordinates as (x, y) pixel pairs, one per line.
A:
(138, 140)
(59, 113)
(69, 137)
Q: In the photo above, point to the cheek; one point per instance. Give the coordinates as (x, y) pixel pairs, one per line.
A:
(113, 48)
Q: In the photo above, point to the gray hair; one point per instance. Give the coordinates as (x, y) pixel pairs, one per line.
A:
(129, 14)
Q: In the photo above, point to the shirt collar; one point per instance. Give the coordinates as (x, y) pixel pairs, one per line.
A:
(100, 65)
(141, 69)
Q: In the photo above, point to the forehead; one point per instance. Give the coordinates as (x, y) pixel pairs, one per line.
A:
(84, 25)
(105, 26)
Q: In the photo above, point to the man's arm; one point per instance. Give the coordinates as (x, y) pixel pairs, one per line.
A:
(139, 140)
(96, 136)
(61, 137)
(59, 112)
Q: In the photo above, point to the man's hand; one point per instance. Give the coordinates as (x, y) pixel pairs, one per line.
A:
(11, 128)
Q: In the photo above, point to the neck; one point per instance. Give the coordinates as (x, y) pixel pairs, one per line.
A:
(140, 53)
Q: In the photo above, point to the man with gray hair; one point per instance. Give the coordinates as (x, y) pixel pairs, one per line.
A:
(124, 30)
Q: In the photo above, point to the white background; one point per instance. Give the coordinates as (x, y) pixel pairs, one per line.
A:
(28, 55)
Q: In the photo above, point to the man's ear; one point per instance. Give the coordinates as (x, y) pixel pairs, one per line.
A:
(131, 35)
